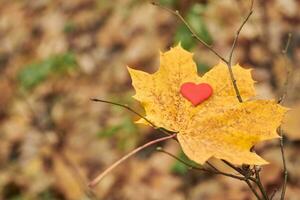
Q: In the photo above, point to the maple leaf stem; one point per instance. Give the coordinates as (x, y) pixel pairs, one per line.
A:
(177, 14)
(190, 166)
(95, 181)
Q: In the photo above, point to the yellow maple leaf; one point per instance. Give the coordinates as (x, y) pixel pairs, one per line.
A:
(219, 126)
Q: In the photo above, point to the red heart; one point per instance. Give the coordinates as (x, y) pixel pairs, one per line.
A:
(196, 93)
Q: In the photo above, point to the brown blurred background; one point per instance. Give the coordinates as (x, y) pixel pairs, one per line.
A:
(55, 55)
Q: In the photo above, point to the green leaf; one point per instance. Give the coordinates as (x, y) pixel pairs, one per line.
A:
(33, 74)
(196, 21)
(202, 68)
(180, 168)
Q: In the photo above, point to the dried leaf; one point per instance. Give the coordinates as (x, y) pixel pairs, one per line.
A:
(220, 126)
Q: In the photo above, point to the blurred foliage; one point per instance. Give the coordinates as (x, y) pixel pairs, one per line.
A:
(126, 125)
(196, 21)
(33, 74)
(125, 132)
(69, 27)
(168, 2)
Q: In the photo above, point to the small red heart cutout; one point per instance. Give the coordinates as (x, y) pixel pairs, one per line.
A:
(196, 93)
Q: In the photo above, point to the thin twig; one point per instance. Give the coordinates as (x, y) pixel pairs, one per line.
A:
(124, 158)
(229, 61)
(285, 86)
(259, 184)
(238, 95)
(167, 132)
(194, 34)
(238, 33)
(285, 171)
(253, 189)
(124, 106)
(281, 100)
(233, 167)
(247, 178)
(273, 194)
(215, 171)
(287, 45)
(213, 167)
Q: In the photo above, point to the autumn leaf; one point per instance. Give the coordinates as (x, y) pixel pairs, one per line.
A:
(220, 126)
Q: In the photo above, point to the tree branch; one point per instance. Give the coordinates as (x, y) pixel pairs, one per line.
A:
(253, 189)
(285, 171)
(284, 52)
(239, 31)
(167, 132)
(249, 178)
(194, 34)
(281, 100)
(273, 194)
(123, 106)
(259, 184)
(229, 64)
(215, 171)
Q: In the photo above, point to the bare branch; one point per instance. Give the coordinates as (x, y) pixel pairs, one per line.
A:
(194, 34)
(124, 158)
(247, 178)
(215, 171)
(259, 184)
(253, 189)
(213, 167)
(135, 112)
(281, 100)
(124, 106)
(273, 194)
(239, 31)
(284, 52)
(233, 167)
(229, 62)
(285, 171)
